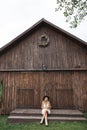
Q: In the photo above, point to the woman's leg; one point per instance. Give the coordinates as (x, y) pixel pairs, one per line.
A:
(46, 118)
(43, 117)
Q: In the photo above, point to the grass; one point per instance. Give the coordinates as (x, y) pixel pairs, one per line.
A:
(36, 126)
(85, 114)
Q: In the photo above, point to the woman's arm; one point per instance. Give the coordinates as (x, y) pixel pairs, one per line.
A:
(42, 105)
(49, 106)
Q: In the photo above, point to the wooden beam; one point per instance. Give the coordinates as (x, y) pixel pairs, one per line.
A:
(41, 70)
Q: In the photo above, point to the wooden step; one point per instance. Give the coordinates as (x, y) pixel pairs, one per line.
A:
(27, 119)
(54, 112)
(30, 115)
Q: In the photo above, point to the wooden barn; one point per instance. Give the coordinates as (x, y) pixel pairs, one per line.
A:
(44, 60)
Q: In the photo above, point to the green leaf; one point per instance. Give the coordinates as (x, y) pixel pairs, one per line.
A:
(76, 9)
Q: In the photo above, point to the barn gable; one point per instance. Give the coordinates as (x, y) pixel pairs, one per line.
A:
(63, 50)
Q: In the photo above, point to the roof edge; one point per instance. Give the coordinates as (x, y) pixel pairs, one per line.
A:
(35, 25)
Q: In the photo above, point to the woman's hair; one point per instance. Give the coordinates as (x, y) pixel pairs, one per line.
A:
(46, 97)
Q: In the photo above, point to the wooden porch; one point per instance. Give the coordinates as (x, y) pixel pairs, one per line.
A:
(34, 115)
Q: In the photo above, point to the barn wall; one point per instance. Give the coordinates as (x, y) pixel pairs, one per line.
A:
(38, 80)
(62, 52)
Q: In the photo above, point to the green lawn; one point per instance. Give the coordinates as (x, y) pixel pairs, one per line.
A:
(36, 126)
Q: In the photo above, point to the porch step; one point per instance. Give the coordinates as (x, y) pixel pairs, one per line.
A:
(27, 119)
(29, 115)
(54, 112)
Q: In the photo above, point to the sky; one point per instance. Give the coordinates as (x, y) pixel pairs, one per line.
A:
(18, 15)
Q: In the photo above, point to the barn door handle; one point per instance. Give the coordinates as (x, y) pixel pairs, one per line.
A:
(36, 91)
(45, 91)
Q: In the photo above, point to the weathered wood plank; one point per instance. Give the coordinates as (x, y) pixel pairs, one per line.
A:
(38, 81)
(61, 52)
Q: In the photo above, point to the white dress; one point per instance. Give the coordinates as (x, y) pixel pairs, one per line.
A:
(46, 109)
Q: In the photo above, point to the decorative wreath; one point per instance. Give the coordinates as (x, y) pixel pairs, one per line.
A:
(43, 40)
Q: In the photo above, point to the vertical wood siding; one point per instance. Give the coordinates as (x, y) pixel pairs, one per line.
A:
(67, 89)
(62, 52)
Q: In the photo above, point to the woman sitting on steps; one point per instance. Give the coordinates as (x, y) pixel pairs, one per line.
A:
(46, 106)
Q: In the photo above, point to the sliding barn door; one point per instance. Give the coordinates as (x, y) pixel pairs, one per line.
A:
(64, 98)
(27, 98)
